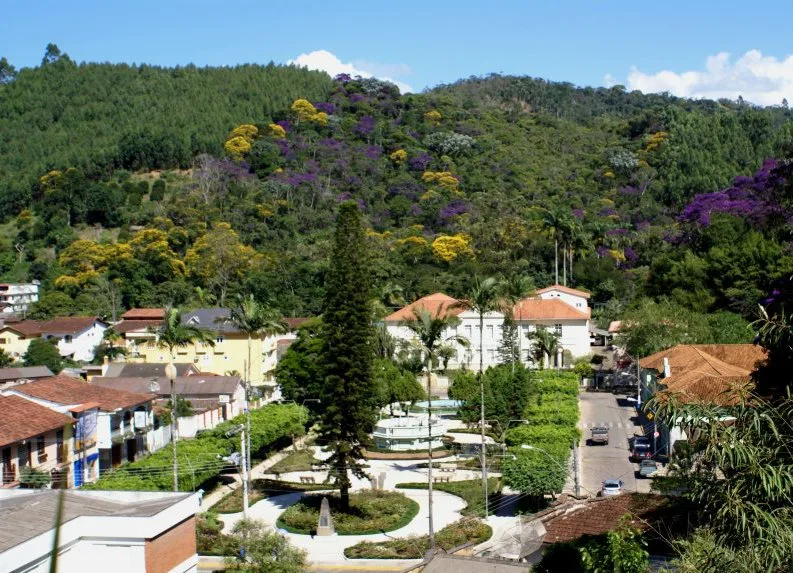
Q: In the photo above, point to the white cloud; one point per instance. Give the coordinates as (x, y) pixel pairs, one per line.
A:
(609, 81)
(326, 61)
(759, 79)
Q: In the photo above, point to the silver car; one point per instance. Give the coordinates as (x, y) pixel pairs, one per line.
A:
(611, 487)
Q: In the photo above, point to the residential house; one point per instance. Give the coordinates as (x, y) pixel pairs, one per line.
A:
(136, 326)
(696, 373)
(229, 355)
(121, 422)
(214, 399)
(560, 309)
(34, 437)
(14, 376)
(276, 346)
(146, 369)
(573, 521)
(16, 298)
(16, 336)
(77, 336)
(100, 531)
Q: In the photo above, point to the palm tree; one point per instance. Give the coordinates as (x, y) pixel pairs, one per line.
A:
(484, 297)
(428, 340)
(544, 343)
(514, 289)
(254, 319)
(554, 222)
(170, 335)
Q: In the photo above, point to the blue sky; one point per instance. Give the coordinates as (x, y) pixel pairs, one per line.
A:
(421, 44)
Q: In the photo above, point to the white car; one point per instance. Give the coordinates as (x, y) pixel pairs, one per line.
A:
(611, 487)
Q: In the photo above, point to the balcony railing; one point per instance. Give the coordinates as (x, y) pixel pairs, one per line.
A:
(9, 473)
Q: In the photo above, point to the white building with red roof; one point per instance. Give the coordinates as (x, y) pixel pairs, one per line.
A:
(561, 309)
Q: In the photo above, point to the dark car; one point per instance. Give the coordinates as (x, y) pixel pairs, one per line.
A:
(641, 452)
(641, 441)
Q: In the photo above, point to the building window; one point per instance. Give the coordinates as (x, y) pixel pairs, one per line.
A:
(219, 340)
(41, 449)
(67, 338)
(60, 454)
(491, 355)
(557, 328)
(490, 331)
(23, 452)
(468, 332)
(4, 341)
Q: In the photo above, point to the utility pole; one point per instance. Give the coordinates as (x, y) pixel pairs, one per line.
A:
(243, 461)
(247, 366)
(170, 373)
(576, 469)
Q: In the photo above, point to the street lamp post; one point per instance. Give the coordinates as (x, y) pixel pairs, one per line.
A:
(243, 466)
(170, 374)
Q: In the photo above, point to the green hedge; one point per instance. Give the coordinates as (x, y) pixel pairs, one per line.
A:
(552, 413)
(199, 458)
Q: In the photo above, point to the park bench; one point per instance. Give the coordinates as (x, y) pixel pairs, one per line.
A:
(307, 479)
(448, 467)
(441, 479)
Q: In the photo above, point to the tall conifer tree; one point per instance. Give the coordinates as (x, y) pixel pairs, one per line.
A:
(348, 393)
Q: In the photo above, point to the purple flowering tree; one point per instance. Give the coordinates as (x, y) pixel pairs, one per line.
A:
(755, 199)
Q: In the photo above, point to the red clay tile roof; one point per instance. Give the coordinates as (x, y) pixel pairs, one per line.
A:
(134, 325)
(709, 373)
(599, 515)
(564, 289)
(437, 304)
(66, 390)
(144, 314)
(26, 327)
(547, 309)
(68, 324)
(296, 322)
(21, 419)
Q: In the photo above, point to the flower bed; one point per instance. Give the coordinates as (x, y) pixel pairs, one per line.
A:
(467, 530)
(370, 512)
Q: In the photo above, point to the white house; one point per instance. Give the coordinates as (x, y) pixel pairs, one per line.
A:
(78, 336)
(16, 298)
(561, 309)
(121, 531)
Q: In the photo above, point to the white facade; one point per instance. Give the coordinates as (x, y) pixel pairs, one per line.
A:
(16, 298)
(81, 345)
(114, 542)
(565, 312)
(408, 433)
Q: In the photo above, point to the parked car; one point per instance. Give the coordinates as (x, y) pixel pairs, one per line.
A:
(599, 435)
(641, 452)
(647, 468)
(611, 487)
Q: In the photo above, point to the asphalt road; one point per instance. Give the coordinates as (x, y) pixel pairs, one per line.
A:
(599, 462)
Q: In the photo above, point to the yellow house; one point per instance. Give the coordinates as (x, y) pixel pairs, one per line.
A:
(15, 337)
(229, 355)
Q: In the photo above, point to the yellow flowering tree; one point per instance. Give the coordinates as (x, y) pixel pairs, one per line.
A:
(237, 146)
(246, 131)
(219, 259)
(452, 247)
(433, 117)
(399, 157)
(276, 131)
(442, 179)
(305, 111)
(152, 247)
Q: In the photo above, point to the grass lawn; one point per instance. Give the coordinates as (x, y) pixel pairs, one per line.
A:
(262, 488)
(469, 490)
(370, 512)
(454, 535)
(299, 461)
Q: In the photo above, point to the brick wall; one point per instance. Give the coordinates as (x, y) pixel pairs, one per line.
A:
(171, 548)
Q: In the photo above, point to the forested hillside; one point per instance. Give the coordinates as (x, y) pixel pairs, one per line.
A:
(126, 186)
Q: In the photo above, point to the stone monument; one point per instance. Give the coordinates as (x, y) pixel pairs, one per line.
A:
(381, 481)
(325, 524)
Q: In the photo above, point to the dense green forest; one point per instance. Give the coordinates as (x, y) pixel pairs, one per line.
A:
(129, 185)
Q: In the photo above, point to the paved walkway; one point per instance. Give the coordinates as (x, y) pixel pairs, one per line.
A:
(330, 550)
(259, 471)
